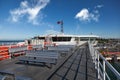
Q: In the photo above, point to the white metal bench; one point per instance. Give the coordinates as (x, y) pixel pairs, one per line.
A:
(37, 46)
(17, 49)
(40, 57)
(6, 75)
(61, 48)
(68, 46)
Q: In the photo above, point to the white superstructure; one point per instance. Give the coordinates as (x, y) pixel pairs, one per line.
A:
(62, 39)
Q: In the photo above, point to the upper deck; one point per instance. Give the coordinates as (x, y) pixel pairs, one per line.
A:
(74, 65)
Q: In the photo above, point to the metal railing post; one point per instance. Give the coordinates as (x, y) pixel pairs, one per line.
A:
(98, 66)
(95, 59)
(104, 70)
(101, 68)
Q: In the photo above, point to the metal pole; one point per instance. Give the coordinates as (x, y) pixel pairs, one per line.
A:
(62, 27)
(98, 67)
(95, 58)
(104, 70)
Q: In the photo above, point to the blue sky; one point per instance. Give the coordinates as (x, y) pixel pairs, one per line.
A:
(23, 19)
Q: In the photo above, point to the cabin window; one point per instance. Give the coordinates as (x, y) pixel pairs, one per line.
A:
(84, 39)
(39, 38)
(87, 39)
(76, 38)
(58, 39)
(29, 42)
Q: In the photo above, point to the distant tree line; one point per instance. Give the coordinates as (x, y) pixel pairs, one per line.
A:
(107, 40)
(101, 40)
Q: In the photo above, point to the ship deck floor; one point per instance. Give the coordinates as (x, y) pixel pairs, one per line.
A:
(71, 66)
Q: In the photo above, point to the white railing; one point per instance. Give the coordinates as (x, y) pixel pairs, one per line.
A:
(42, 54)
(103, 66)
(37, 46)
(17, 49)
(61, 48)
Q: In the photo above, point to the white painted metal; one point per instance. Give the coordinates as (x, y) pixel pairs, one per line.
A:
(43, 54)
(37, 46)
(17, 49)
(104, 70)
(40, 56)
(98, 67)
(102, 74)
(62, 48)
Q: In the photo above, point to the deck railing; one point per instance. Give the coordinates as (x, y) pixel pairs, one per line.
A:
(105, 71)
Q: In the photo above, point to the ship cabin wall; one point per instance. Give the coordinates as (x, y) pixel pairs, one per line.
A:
(34, 42)
(61, 40)
(86, 39)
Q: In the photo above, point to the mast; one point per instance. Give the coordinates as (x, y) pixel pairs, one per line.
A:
(61, 24)
(62, 31)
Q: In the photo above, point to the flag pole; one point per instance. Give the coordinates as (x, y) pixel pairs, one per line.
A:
(62, 26)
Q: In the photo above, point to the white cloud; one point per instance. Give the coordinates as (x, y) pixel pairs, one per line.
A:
(51, 32)
(99, 6)
(32, 10)
(50, 25)
(24, 4)
(96, 11)
(85, 15)
(77, 28)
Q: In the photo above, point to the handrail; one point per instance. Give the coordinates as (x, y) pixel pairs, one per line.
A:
(111, 67)
(96, 56)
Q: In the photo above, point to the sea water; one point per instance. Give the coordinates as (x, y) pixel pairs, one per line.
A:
(9, 42)
(116, 65)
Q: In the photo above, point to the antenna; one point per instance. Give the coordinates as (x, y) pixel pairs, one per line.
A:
(62, 31)
(61, 23)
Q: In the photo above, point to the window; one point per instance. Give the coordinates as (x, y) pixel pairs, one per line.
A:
(56, 39)
(39, 37)
(87, 39)
(84, 39)
(76, 38)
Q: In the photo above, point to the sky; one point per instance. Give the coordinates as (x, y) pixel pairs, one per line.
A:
(24, 19)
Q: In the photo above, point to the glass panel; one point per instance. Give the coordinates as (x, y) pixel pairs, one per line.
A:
(55, 39)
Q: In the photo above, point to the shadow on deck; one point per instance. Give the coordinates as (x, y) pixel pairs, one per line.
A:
(74, 66)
